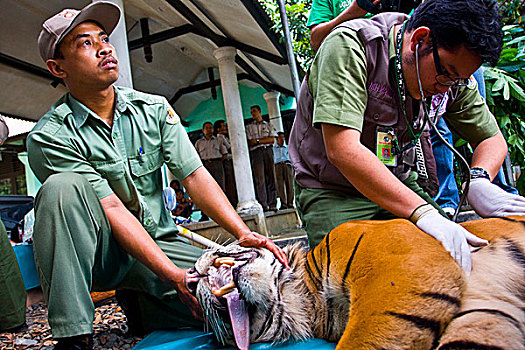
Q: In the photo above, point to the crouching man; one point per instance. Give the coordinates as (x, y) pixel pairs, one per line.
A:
(100, 222)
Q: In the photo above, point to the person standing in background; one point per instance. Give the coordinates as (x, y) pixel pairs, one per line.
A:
(211, 152)
(221, 131)
(261, 137)
(283, 171)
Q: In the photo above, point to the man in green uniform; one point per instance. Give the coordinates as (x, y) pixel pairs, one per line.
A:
(362, 108)
(100, 221)
(12, 291)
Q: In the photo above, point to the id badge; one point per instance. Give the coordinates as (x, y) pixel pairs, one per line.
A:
(384, 146)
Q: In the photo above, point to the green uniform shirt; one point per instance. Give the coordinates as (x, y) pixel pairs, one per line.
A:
(326, 10)
(338, 80)
(125, 159)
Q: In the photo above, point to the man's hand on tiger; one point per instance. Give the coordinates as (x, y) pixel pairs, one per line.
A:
(489, 200)
(186, 297)
(254, 239)
(453, 237)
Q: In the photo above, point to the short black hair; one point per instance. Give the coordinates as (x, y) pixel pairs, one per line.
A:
(279, 133)
(172, 182)
(217, 125)
(204, 124)
(256, 107)
(474, 23)
(178, 190)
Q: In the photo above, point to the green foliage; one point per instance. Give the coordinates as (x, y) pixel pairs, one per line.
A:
(510, 10)
(506, 96)
(297, 12)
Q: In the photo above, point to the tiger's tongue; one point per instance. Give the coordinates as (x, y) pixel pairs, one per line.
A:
(240, 320)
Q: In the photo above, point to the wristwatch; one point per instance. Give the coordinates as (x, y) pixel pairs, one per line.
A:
(476, 173)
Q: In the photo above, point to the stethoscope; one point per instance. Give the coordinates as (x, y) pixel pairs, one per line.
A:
(449, 146)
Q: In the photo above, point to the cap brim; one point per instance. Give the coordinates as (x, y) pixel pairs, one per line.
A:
(104, 13)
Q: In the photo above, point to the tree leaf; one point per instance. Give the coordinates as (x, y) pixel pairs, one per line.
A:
(516, 40)
(460, 142)
(498, 85)
(506, 91)
(517, 91)
(503, 121)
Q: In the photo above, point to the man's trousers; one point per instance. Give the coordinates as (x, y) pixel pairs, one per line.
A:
(12, 290)
(263, 169)
(284, 177)
(76, 253)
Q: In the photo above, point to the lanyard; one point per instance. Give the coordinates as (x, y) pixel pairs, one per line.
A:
(401, 89)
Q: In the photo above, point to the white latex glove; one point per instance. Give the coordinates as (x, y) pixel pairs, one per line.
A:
(488, 200)
(453, 237)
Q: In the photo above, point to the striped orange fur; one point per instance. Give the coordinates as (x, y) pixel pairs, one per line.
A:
(381, 285)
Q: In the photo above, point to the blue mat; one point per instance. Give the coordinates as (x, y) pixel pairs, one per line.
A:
(26, 261)
(193, 339)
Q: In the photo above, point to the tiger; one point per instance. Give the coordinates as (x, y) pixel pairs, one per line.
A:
(370, 285)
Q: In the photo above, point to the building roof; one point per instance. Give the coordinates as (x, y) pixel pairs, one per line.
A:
(183, 36)
(18, 126)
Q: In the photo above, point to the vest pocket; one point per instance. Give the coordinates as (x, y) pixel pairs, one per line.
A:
(381, 112)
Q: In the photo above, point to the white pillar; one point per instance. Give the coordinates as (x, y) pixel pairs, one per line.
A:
(119, 40)
(241, 159)
(274, 111)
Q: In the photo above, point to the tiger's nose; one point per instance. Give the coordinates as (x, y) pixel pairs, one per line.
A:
(191, 279)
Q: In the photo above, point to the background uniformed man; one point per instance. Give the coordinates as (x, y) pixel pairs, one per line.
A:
(261, 137)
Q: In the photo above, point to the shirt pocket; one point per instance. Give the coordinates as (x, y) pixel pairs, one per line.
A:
(116, 175)
(146, 163)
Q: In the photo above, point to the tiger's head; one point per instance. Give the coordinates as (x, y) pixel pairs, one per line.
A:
(248, 296)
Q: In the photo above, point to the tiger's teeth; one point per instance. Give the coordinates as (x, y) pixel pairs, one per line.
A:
(223, 290)
(224, 260)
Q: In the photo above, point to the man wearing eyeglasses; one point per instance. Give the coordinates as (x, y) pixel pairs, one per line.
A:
(362, 108)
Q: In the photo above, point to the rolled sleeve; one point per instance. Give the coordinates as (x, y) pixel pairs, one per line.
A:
(338, 81)
(321, 11)
(179, 154)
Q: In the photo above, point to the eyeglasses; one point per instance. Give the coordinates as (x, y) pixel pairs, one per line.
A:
(443, 78)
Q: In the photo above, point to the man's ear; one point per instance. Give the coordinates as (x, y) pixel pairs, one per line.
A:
(55, 68)
(419, 36)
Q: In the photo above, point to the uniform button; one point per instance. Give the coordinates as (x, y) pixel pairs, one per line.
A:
(148, 221)
(115, 135)
(150, 167)
(376, 116)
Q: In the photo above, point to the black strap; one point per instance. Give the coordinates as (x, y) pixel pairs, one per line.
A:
(404, 6)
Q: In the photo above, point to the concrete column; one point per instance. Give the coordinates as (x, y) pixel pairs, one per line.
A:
(119, 39)
(274, 111)
(241, 159)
